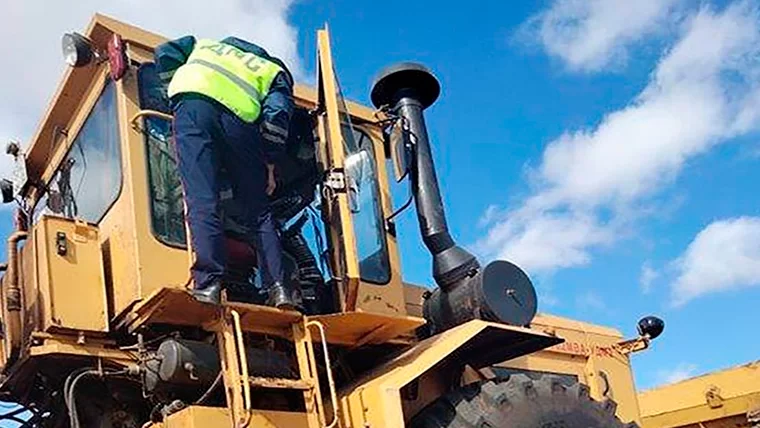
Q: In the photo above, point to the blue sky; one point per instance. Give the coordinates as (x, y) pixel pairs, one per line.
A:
(602, 140)
(610, 148)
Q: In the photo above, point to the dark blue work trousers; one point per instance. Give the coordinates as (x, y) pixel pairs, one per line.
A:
(208, 137)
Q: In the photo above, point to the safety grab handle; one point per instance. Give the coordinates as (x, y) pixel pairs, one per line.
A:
(149, 113)
(330, 381)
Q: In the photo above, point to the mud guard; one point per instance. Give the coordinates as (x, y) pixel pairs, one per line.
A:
(375, 399)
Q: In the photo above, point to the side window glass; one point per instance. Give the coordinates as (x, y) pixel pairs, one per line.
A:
(364, 198)
(88, 181)
(166, 203)
(365, 205)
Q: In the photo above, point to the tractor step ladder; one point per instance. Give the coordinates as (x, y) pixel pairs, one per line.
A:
(238, 383)
(175, 306)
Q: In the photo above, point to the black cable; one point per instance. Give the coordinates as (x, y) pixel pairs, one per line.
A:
(402, 208)
(210, 389)
(72, 406)
(67, 383)
(70, 396)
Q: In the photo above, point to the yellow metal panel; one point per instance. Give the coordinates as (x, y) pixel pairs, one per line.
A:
(566, 324)
(413, 298)
(550, 362)
(684, 403)
(58, 347)
(359, 328)
(74, 280)
(177, 307)
(589, 353)
(374, 400)
(207, 417)
(726, 415)
(341, 223)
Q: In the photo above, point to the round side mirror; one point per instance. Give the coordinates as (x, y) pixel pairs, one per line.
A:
(651, 327)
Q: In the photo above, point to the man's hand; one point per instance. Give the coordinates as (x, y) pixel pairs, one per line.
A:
(271, 182)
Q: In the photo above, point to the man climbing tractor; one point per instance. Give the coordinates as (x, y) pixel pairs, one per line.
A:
(232, 104)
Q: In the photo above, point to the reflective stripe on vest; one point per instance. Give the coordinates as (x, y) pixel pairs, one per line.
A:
(238, 80)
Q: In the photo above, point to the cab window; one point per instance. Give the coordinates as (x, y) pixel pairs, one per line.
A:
(166, 203)
(88, 180)
(364, 198)
(365, 206)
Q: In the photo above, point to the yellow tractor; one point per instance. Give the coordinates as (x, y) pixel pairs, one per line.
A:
(99, 329)
(725, 398)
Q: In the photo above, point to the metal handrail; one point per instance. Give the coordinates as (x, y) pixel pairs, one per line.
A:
(243, 358)
(149, 113)
(328, 369)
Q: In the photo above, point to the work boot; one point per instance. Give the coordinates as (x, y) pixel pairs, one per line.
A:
(212, 293)
(280, 297)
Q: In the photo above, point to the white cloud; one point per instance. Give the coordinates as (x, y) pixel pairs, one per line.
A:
(589, 35)
(723, 256)
(538, 239)
(30, 55)
(681, 372)
(647, 277)
(488, 215)
(593, 184)
(589, 300)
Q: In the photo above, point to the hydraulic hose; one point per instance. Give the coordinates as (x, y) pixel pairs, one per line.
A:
(70, 396)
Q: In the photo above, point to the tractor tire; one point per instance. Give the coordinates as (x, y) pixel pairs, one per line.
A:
(520, 401)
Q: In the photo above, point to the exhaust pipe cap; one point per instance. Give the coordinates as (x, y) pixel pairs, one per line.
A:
(402, 77)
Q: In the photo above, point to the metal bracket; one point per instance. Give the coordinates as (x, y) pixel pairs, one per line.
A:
(713, 398)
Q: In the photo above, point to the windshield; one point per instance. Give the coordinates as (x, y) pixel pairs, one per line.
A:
(88, 180)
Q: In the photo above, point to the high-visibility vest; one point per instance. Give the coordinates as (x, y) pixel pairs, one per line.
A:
(237, 79)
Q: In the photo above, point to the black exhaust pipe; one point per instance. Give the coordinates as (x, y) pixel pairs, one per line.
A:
(500, 292)
(410, 88)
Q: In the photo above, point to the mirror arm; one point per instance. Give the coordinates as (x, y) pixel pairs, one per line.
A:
(630, 346)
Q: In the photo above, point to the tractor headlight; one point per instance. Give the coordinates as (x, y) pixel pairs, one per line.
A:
(77, 49)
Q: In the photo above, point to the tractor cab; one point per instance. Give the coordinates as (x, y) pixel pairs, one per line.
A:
(333, 189)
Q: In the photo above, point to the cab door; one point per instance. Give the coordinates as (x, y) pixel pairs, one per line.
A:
(332, 111)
